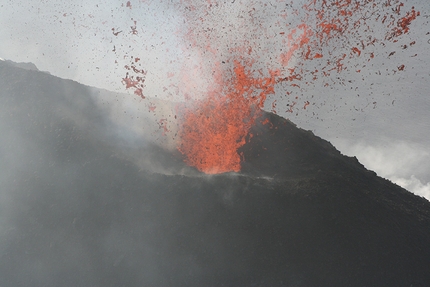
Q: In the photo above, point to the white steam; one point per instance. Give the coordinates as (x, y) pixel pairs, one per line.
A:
(403, 162)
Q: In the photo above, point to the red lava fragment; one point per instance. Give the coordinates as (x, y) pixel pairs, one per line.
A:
(308, 53)
(139, 92)
(306, 104)
(115, 33)
(340, 64)
(135, 69)
(290, 110)
(356, 50)
(129, 83)
(128, 4)
(274, 107)
(401, 67)
(134, 28)
(265, 121)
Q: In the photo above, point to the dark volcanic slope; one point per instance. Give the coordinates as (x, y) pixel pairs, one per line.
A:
(72, 213)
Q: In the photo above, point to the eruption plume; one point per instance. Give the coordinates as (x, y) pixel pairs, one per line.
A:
(240, 52)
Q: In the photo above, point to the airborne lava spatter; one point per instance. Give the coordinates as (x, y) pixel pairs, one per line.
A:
(303, 44)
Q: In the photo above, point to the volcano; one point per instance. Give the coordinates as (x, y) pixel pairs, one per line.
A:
(78, 209)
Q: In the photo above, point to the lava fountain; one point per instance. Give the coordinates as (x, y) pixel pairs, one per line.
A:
(212, 133)
(297, 47)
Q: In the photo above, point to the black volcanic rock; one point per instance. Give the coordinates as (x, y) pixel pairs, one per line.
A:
(74, 213)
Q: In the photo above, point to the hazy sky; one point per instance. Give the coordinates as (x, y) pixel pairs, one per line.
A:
(384, 120)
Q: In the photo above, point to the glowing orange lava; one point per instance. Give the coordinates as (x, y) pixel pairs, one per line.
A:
(212, 133)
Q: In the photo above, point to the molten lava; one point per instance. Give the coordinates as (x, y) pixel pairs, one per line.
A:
(212, 133)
